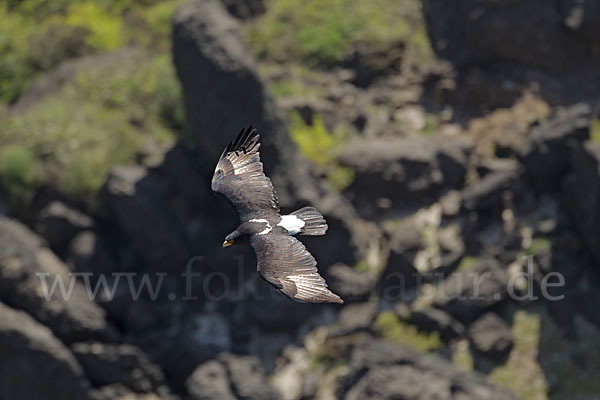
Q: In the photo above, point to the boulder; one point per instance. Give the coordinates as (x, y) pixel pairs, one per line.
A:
(34, 363)
(467, 294)
(394, 172)
(209, 382)
(382, 370)
(435, 320)
(491, 337)
(28, 268)
(357, 316)
(349, 283)
(247, 378)
(230, 377)
(546, 153)
(488, 193)
(59, 223)
(119, 392)
(124, 364)
(89, 252)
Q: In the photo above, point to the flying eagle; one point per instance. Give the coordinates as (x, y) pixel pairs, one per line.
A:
(283, 261)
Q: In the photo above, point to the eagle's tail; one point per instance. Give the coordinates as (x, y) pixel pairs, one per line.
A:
(314, 223)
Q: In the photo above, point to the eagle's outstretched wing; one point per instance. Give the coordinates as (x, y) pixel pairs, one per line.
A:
(240, 178)
(285, 263)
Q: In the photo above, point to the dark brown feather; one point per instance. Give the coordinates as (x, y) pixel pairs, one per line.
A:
(284, 262)
(240, 178)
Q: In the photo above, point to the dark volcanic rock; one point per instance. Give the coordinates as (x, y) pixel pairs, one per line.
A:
(400, 274)
(546, 154)
(201, 337)
(59, 224)
(582, 18)
(582, 191)
(34, 363)
(434, 320)
(247, 378)
(350, 284)
(487, 194)
(382, 370)
(559, 53)
(24, 264)
(88, 252)
(390, 173)
(137, 201)
(491, 337)
(468, 294)
(357, 316)
(271, 309)
(209, 382)
(125, 364)
(477, 32)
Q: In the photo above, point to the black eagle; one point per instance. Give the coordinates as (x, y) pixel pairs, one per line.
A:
(283, 261)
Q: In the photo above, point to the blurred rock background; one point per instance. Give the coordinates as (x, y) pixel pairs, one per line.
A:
(441, 139)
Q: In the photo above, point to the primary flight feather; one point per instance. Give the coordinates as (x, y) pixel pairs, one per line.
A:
(282, 260)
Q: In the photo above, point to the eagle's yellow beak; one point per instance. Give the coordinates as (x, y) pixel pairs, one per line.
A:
(228, 243)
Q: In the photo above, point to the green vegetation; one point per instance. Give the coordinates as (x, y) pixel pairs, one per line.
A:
(432, 125)
(317, 144)
(37, 35)
(324, 33)
(391, 328)
(361, 266)
(18, 172)
(537, 245)
(521, 373)
(461, 355)
(103, 116)
(595, 130)
(466, 263)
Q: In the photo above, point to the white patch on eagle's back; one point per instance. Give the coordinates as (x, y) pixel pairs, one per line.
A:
(267, 229)
(291, 223)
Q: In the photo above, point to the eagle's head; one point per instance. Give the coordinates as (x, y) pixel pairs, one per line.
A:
(243, 232)
(234, 237)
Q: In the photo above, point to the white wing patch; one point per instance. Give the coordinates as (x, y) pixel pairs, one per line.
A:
(267, 229)
(291, 223)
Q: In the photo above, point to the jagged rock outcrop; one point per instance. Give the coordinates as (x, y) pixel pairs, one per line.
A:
(230, 377)
(34, 363)
(558, 53)
(118, 364)
(382, 370)
(491, 337)
(25, 265)
(401, 172)
(546, 155)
